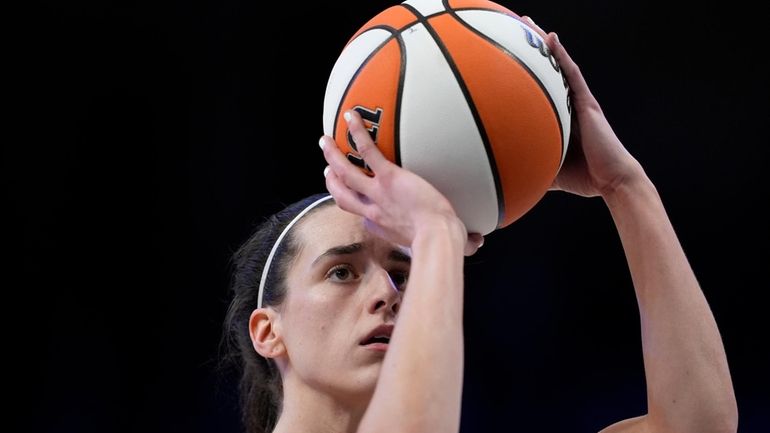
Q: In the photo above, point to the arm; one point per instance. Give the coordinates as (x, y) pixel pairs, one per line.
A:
(420, 384)
(688, 380)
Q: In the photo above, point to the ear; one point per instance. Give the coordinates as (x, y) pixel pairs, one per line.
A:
(265, 333)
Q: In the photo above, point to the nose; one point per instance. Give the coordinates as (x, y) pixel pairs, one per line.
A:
(384, 296)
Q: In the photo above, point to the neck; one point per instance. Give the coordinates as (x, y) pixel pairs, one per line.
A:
(308, 409)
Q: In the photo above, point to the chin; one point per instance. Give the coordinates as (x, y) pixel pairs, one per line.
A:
(360, 386)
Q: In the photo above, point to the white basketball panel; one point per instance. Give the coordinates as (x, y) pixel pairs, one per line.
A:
(427, 7)
(439, 139)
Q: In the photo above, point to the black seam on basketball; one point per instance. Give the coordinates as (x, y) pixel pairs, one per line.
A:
(474, 112)
(393, 33)
(433, 15)
(486, 10)
(523, 65)
(399, 93)
(450, 9)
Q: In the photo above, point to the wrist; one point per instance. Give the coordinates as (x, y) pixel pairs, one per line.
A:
(629, 189)
(449, 230)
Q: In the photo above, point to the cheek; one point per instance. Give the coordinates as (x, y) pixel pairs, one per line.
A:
(317, 319)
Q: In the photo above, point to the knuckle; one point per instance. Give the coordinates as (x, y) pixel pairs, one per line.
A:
(363, 139)
(365, 152)
(344, 204)
(373, 213)
(331, 185)
(343, 176)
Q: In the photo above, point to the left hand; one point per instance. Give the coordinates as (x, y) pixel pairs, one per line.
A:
(597, 163)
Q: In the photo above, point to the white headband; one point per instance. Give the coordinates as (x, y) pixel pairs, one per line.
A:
(278, 242)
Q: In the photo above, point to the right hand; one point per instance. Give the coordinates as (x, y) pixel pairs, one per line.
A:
(396, 203)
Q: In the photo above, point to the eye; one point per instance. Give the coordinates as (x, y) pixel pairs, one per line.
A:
(399, 279)
(342, 274)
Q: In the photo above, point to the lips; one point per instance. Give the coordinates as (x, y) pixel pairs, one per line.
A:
(378, 338)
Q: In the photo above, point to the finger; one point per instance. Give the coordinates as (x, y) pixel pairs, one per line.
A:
(475, 241)
(344, 170)
(346, 198)
(571, 71)
(534, 26)
(364, 144)
(555, 187)
(568, 66)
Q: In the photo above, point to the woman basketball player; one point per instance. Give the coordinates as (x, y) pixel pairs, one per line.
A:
(347, 313)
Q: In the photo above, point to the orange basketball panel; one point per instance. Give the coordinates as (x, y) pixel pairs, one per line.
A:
(396, 17)
(479, 4)
(519, 120)
(374, 94)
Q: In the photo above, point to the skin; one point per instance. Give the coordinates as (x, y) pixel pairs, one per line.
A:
(419, 385)
(334, 299)
(689, 388)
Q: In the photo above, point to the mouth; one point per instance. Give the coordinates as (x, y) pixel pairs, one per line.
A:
(378, 339)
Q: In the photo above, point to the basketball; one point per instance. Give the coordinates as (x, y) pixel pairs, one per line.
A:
(463, 93)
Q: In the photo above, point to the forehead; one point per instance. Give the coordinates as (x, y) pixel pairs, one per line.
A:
(331, 226)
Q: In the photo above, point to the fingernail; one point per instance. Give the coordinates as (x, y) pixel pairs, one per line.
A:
(556, 38)
(529, 20)
(326, 171)
(322, 142)
(347, 116)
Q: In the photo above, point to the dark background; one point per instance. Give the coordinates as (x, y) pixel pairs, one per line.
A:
(142, 163)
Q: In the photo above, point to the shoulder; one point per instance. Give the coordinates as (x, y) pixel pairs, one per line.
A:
(631, 425)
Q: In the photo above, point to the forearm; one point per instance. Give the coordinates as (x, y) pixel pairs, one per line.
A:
(420, 385)
(688, 381)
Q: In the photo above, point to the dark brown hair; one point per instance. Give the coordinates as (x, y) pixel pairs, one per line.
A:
(261, 390)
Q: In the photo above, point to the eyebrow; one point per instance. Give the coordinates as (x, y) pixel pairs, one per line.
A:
(346, 250)
(342, 250)
(398, 256)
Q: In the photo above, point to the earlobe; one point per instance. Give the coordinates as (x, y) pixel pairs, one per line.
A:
(265, 334)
